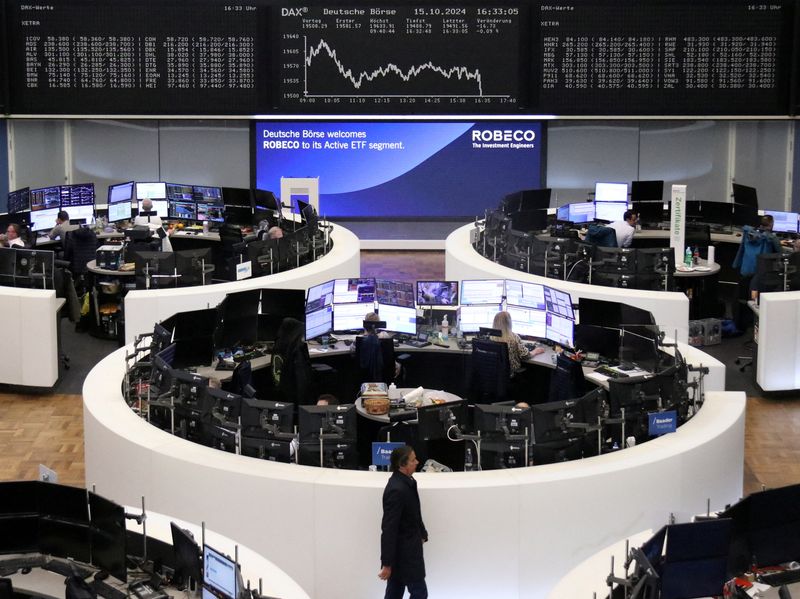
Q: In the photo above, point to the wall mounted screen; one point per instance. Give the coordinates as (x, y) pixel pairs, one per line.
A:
(402, 169)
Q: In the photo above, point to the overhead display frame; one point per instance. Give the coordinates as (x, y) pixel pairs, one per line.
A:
(628, 57)
(137, 57)
(385, 57)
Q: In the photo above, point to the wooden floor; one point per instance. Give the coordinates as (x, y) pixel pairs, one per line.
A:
(48, 429)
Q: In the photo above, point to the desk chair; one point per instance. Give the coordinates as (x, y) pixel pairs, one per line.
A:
(375, 359)
(233, 247)
(567, 381)
(695, 559)
(6, 589)
(80, 246)
(601, 236)
(491, 371)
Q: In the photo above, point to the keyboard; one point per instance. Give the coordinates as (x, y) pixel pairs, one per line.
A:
(417, 343)
(610, 372)
(776, 579)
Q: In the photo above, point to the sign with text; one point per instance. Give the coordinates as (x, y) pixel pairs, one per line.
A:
(677, 221)
(244, 270)
(381, 452)
(661, 423)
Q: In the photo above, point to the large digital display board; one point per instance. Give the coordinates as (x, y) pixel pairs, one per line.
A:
(402, 169)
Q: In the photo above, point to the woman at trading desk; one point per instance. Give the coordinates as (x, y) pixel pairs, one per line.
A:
(516, 349)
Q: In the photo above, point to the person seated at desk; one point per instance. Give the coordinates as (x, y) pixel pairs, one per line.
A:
(371, 333)
(62, 227)
(516, 349)
(625, 228)
(153, 221)
(275, 233)
(13, 237)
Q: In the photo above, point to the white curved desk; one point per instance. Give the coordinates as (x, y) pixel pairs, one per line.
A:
(501, 534)
(670, 308)
(143, 308)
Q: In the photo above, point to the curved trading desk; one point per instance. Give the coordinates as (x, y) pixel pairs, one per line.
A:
(670, 308)
(501, 533)
(144, 308)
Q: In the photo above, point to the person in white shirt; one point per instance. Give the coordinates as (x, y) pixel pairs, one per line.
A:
(153, 221)
(625, 228)
(12, 238)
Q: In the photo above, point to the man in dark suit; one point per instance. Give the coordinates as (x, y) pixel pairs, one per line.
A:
(402, 530)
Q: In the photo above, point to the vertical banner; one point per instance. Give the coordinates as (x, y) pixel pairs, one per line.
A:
(677, 222)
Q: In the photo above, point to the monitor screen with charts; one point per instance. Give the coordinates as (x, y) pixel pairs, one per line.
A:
(319, 322)
(121, 192)
(119, 211)
(19, 201)
(526, 295)
(399, 319)
(489, 291)
(151, 191)
(560, 330)
(610, 211)
(219, 572)
(319, 296)
(354, 290)
(350, 317)
(579, 212)
(472, 318)
(528, 322)
(785, 222)
(559, 302)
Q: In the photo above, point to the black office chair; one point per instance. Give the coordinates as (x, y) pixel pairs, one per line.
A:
(292, 374)
(80, 247)
(375, 359)
(567, 381)
(491, 371)
(602, 236)
(241, 377)
(233, 246)
(6, 589)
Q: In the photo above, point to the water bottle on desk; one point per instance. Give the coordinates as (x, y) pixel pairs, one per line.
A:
(468, 460)
(687, 257)
(445, 328)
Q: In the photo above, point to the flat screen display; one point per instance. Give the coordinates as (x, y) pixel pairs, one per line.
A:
(395, 293)
(219, 572)
(151, 191)
(121, 192)
(399, 319)
(346, 291)
(119, 211)
(526, 295)
(389, 168)
(559, 302)
(350, 317)
(44, 220)
(610, 211)
(472, 318)
(560, 330)
(79, 194)
(489, 291)
(437, 293)
(19, 201)
(610, 192)
(319, 296)
(784, 222)
(578, 212)
(528, 322)
(319, 322)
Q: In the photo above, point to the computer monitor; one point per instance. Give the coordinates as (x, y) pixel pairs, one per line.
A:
(550, 421)
(649, 212)
(237, 196)
(434, 422)
(785, 222)
(506, 420)
(437, 293)
(19, 200)
(45, 206)
(319, 322)
(34, 268)
(188, 568)
(347, 291)
(335, 422)
(191, 266)
(396, 293)
(222, 407)
(209, 203)
(647, 191)
(263, 199)
(194, 337)
(19, 498)
(182, 209)
(162, 337)
(639, 345)
(577, 212)
(488, 291)
(157, 266)
(107, 530)
(77, 194)
(266, 418)
(161, 373)
(615, 260)
(239, 215)
(19, 534)
(120, 192)
(610, 192)
(528, 322)
(151, 191)
(238, 319)
(524, 294)
(526, 200)
(558, 302)
(277, 304)
(8, 266)
(610, 211)
(319, 296)
(560, 330)
(220, 573)
(350, 317)
(120, 211)
(63, 502)
(65, 539)
(472, 318)
(745, 215)
(744, 195)
(399, 319)
(597, 339)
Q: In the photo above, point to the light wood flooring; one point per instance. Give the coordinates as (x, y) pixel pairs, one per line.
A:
(48, 429)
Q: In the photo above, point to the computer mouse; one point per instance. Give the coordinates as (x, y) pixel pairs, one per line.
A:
(348, 342)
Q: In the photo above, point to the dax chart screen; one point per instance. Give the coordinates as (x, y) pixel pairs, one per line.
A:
(386, 58)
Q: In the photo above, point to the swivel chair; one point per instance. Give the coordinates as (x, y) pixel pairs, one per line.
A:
(233, 246)
(491, 371)
(80, 246)
(375, 359)
(567, 381)
(6, 588)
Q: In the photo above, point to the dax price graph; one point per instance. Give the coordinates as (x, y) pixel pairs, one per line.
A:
(409, 58)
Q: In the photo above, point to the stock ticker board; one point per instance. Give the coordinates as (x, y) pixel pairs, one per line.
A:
(572, 57)
(385, 58)
(167, 57)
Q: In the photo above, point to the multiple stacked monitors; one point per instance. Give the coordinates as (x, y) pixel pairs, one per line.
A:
(580, 212)
(609, 211)
(45, 206)
(120, 201)
(611, 192)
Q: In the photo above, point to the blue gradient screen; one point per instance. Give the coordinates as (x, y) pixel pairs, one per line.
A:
(402, 169)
